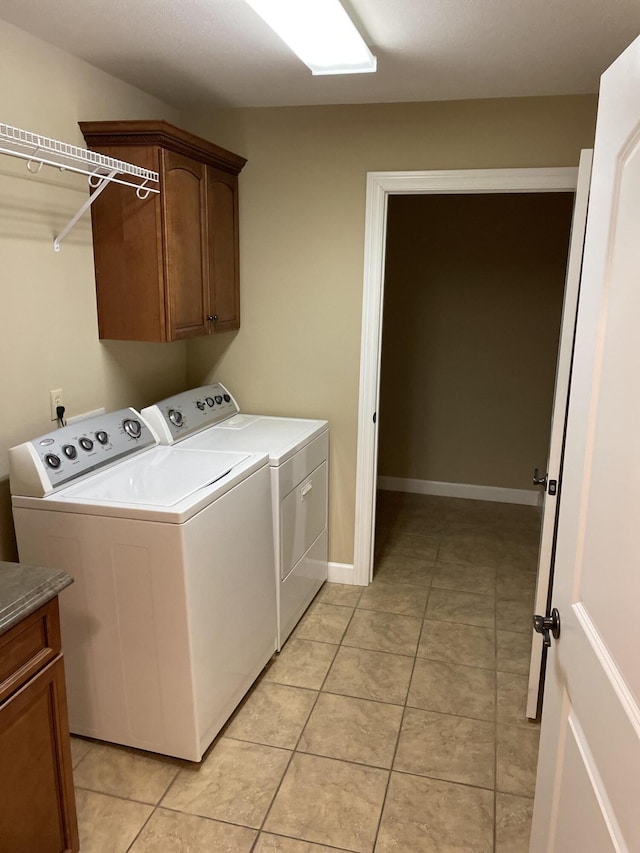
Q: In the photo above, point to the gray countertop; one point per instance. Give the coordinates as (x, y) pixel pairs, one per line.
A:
(25, 588)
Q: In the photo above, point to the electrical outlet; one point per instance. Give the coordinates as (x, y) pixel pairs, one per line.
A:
(55, 398)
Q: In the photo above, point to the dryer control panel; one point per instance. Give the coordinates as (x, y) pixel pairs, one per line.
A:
(38, 467)
(190, 412)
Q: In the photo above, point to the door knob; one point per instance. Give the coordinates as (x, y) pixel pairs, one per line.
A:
(538, 480)
(547, 625)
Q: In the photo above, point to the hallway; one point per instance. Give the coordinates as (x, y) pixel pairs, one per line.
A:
(393, 720)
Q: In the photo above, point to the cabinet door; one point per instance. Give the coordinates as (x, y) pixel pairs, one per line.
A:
(184, 206)
(127, 244)
(37, 806)
(222, 210)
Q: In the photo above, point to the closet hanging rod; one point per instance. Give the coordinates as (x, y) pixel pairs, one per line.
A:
(100, 170)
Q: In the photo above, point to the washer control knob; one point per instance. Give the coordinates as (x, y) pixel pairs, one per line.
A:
(85, 443)
(200, 405)
(218, 399)
(209, 401)
(227, 398)
(132, 427)
(52, 460)
(176, 417)
(102, 436)
(69, 451)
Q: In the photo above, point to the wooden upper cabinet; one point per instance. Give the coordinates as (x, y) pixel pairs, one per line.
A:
(167, 266)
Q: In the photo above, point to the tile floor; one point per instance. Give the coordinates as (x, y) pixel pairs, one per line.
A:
(393, 719)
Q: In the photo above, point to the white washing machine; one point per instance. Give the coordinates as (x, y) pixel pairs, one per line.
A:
(209, 418)
(173, 612)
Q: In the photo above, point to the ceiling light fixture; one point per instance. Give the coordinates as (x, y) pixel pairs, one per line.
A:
(320, 32)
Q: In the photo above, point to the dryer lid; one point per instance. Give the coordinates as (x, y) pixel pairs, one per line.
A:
(279, 437)
(161, 477)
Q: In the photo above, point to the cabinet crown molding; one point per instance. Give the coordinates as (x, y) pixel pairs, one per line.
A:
(163, 134)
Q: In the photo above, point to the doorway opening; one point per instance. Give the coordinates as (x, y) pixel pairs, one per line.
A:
(380, 188)
(473, 299)
(461, 385)
(490, 300)
(474, 288)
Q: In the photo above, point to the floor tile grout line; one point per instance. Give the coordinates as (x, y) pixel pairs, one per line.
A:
(77, 765)
(199, 817)
(273, 798)
(117, 796)
(352, 762)
(399, 734)
(378, 651)
(142, 828)
(294, 751)
(451, 714)
(395, 750)
(293, 838)
(448, 781)
(205, 817)
(361, 698)
(157, 806)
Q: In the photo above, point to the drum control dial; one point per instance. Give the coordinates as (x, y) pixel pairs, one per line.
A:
(176, 417)
(132, 427)
(52, 460)
(102, 436)
(85, 443)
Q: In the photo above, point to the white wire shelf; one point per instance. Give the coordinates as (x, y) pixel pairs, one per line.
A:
(41, 151)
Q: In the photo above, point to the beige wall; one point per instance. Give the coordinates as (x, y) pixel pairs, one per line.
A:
(473, 299)
(302, 207)
(302, 226)
(48, 328)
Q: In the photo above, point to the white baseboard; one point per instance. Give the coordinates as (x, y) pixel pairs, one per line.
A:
(341, 573)
(528, 497)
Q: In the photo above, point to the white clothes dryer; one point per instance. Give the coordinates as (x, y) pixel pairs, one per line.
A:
(298, 449)
(173, 613)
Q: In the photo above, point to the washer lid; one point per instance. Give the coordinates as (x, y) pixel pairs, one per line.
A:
(161, 477)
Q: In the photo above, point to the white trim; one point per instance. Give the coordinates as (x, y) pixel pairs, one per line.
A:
(379, 186)
(625, 697)
(598, 786)
(341, 573)
(559, 416)
(469, 491)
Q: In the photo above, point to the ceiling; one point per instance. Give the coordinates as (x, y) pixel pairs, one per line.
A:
(220, 53)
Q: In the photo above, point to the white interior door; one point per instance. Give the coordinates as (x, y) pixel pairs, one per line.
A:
(558, 419)
(587, 792)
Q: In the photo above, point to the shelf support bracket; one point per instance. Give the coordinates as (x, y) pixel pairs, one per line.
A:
(103, 183)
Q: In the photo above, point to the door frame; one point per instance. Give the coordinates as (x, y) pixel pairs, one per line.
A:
(380, 185)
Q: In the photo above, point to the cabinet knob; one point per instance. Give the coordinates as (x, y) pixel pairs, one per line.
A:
(212, 318)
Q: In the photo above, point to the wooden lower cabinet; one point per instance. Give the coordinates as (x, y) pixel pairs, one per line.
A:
(37, 805)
